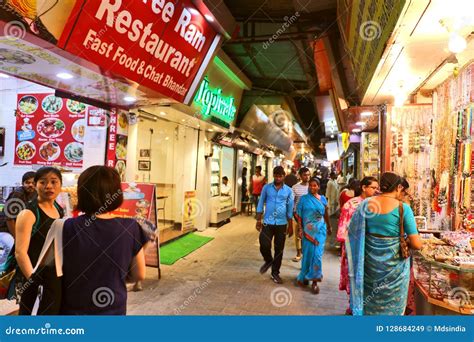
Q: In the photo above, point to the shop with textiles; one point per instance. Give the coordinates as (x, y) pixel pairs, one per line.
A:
(431, 145)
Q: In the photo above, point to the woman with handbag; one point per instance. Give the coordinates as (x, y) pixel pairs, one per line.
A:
(380, 233)
(32, 226)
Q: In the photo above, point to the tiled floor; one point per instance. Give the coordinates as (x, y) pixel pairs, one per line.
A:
(222, 278)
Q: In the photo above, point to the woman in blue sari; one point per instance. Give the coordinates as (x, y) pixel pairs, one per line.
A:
(378, 274)
(313, 226)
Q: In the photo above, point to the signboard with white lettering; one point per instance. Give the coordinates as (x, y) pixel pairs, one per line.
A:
(162, 45)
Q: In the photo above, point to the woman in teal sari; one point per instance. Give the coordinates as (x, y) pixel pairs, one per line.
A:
(313, 226)
(378, 274)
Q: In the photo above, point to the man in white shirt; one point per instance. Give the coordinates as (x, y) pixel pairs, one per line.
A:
(332, 193)
(350, 175)
(341, 181)
(300, 189)
(225, 187)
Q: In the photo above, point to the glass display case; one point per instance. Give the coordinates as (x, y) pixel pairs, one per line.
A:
(222, 164)
(216, 171)
(444, 276)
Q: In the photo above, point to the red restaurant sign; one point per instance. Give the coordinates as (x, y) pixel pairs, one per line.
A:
(162, 45)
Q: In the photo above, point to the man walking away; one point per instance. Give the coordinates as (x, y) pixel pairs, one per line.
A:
(291, 178)
(299, 190)
(341, 181)
(277, 198)
(324, 184)
(332, 194)
(258, 181)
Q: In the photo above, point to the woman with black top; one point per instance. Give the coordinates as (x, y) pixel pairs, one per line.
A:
(32, 226)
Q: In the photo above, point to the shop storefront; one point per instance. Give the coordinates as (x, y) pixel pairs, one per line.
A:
(222, 195)
(410, 151)
(41, 129)
(86, 81)
(273, 125)
(431, 145)
(175, 148)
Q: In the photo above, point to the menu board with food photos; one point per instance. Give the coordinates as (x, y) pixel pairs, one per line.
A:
(138, 201)
(117, 142)
(49, 131)
(122, 142)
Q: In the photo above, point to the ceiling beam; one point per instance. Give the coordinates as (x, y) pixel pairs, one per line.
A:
(251, 55)
(338, 74)
(304, 54)
(303, 35)
(276, 16)
(300, 83)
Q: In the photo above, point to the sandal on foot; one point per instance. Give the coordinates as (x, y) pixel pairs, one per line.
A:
(315, 288)
(300, 283)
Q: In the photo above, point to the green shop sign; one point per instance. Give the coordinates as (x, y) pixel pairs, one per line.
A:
(212, 101)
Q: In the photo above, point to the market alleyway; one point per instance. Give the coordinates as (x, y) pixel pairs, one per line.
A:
(222, 278)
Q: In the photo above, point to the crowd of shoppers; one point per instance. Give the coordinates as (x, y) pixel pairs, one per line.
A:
(373, 219)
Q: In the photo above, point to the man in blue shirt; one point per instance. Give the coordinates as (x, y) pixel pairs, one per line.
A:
(278, 201)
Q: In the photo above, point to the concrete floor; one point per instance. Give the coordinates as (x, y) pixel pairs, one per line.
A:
(222, 278)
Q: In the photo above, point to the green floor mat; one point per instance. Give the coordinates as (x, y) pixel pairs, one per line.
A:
(173, 251)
